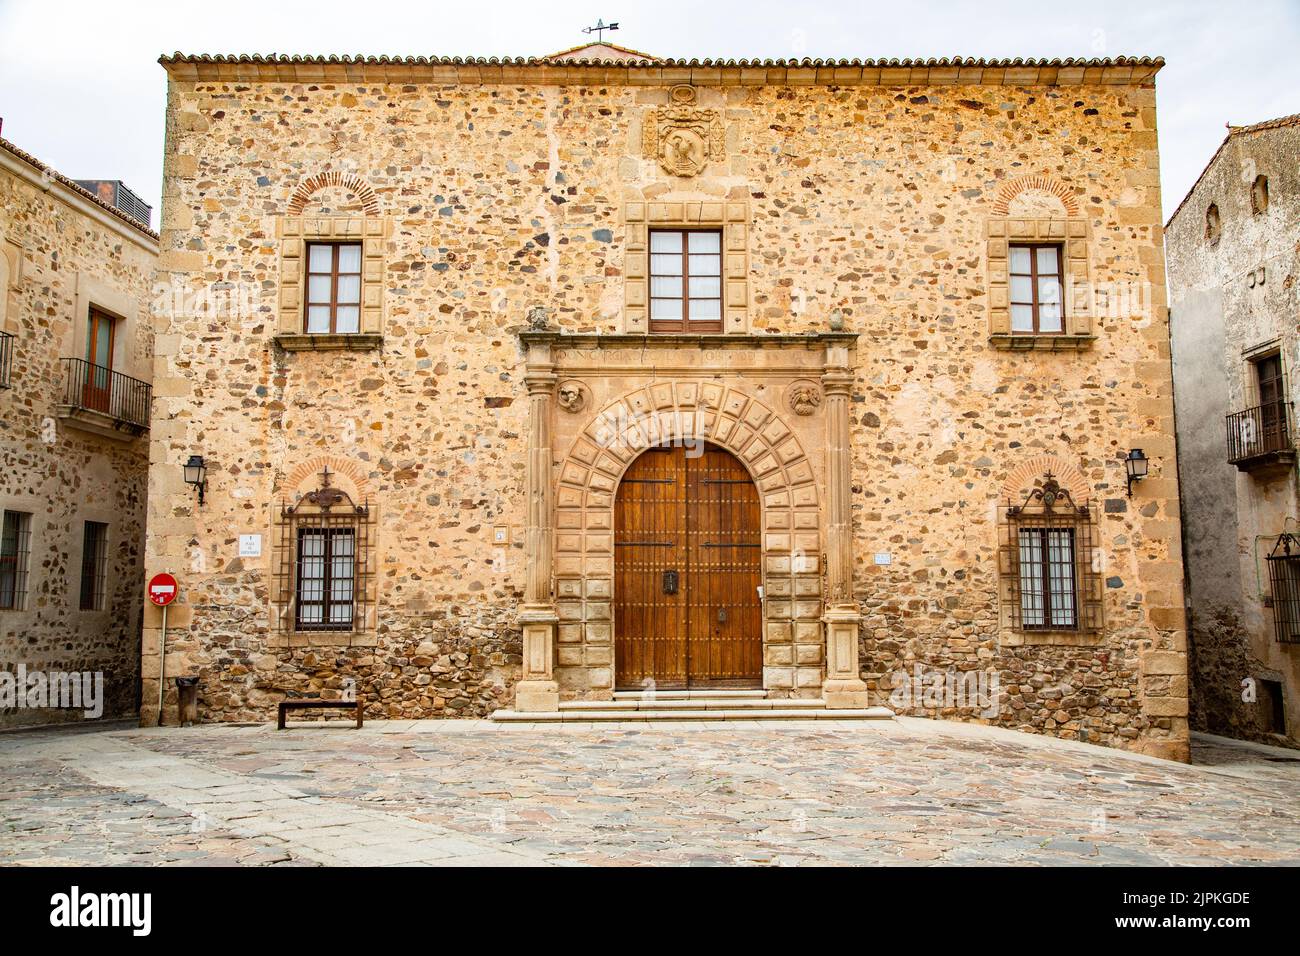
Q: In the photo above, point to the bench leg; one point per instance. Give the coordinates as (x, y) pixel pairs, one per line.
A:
(359, 719)
(279, 725)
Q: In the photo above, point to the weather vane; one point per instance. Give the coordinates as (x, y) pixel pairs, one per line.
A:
(599, 29)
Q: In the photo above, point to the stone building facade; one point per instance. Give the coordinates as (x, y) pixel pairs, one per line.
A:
(75, 363)
(496, 245)
(1234, 262)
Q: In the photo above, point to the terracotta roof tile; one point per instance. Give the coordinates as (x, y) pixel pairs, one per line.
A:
(81, 191)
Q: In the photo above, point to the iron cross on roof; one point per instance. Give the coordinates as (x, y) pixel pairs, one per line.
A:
(599, 29)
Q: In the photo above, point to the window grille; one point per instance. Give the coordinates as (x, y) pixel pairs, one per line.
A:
(1284, 583)
(94, 565)
(1049, 563)
(15, 550)
(323, 563)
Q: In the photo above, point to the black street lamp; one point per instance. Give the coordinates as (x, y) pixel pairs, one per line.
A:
(196, 474)
(1136, 463)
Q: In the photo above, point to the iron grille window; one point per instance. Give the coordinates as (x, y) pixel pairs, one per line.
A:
(1049, 563)
(15, 549)
(1284, 582)
(333, 287)
(1036, 301)
(686, 280)
(1048, 585)
(94, 565)
(323, 565)
(326, 578)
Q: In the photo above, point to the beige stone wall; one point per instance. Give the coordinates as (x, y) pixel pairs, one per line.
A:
(62, 253)
(873, 203)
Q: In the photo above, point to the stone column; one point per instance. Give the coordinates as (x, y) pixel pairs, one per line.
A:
(537, 689)
(844, 687)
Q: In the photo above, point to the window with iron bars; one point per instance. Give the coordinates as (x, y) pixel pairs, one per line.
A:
(1049, 564)
(1284, 585)
(323, 562)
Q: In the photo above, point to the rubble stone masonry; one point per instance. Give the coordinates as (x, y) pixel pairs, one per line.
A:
(63, 251)
(1234, 302)
(878, 207)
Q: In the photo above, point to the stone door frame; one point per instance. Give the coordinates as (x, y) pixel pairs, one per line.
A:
(603, 399)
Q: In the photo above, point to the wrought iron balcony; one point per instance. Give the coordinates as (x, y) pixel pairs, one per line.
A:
(6, 358)
(1259, 437)
(98, 397)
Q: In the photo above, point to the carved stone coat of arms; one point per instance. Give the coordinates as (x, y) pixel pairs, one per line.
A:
(681, 137)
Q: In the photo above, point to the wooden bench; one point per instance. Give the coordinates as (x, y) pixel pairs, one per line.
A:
(313, 703)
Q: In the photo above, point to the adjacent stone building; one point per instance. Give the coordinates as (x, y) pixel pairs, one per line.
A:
(1234, 262)
(546, 378)
(75, 365)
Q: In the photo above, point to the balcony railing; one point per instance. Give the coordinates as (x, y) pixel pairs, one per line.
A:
(6, 358)
(1258, 432)
(98, 389)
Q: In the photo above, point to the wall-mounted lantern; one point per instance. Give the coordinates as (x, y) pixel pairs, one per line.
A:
(196, 474)
(1136, 463)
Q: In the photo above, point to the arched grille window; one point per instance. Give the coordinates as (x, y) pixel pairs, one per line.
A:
(1284, 587)
(1049, 562)
(323, 563)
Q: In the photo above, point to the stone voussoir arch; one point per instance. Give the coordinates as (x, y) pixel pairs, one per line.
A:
(306, 477)
(1031, 470)
(312, 184)
(674, 411)
(1013, 188)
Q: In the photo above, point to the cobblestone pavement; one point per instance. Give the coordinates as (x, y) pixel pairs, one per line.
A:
(470, 792)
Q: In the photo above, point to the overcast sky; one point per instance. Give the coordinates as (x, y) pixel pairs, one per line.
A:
(80, 87)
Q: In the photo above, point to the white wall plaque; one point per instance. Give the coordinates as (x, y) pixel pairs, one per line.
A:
(250, 545)
(884, 557)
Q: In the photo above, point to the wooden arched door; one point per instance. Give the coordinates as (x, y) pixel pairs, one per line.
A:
(687, 569)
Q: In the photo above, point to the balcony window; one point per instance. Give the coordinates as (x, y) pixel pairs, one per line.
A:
(1260, 435)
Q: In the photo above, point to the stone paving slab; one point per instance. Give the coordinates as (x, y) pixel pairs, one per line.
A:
(907, 792)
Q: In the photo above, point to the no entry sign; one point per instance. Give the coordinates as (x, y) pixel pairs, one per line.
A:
(162, 589)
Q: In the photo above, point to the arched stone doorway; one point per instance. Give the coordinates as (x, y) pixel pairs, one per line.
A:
(688, 600)
(779, 405)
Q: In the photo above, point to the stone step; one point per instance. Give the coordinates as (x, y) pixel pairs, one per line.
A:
(719, 715)
(694, 703)
(720, 693)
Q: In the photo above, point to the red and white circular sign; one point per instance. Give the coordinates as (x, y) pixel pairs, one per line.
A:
(162, 589)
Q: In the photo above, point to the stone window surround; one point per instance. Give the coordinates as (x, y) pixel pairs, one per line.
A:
(732, 217)
(295, 234)
(1072, 235)
(346, 476)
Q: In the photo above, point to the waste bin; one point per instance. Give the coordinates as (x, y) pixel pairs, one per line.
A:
(187, 700)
